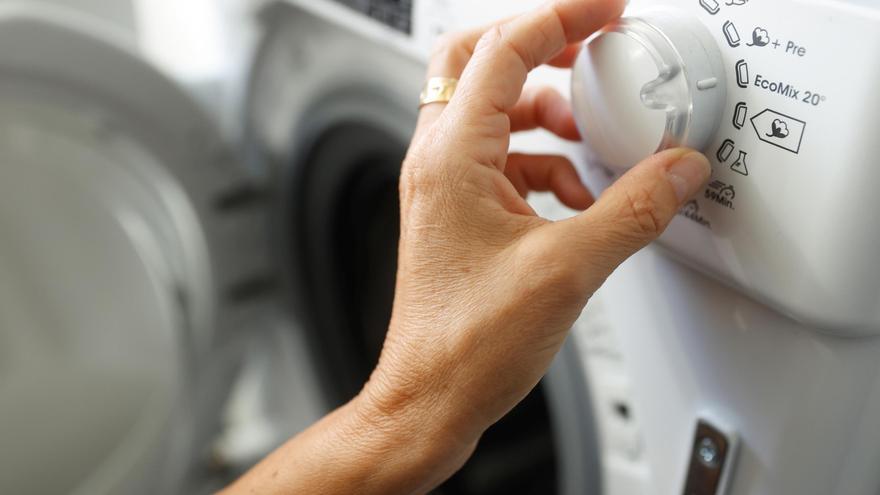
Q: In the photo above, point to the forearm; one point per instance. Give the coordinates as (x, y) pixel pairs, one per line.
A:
(360, 449)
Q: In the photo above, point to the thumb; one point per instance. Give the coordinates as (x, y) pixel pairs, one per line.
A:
(631, 213)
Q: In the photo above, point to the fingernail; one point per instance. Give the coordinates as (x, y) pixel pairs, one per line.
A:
(688, 175)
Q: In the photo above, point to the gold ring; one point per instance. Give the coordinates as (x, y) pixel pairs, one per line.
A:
(438, 90)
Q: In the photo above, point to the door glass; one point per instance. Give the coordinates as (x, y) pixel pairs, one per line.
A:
(93, 316)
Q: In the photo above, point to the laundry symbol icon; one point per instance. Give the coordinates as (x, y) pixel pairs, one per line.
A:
(740, 166)
(691, 211)
(740, 114)
(760, 37)
(710, 6)
(721, 193)
(727, 148)
(742, 74)
(778, 129)
(731, 34)
(724, 190)
(725, 153)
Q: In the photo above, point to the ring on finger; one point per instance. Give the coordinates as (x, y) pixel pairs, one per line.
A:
(438, 90)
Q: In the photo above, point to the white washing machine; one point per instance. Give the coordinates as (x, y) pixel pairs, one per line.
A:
(133, 259)
(141, 261)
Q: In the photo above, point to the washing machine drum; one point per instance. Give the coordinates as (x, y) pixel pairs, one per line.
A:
(119, 286)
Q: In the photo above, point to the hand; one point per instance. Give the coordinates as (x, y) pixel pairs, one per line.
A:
(487, 290)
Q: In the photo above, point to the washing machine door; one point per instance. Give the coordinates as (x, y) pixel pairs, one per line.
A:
(127, 258)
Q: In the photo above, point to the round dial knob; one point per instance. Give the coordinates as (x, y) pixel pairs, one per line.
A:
(645, 84)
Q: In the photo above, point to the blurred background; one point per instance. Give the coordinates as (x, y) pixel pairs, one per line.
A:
(198, 232)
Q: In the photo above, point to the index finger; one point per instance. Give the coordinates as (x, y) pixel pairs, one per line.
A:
(504, 56)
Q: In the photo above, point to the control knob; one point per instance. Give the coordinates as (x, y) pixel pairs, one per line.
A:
(645, 84)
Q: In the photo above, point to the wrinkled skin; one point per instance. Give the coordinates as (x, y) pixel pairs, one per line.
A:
(486, 289)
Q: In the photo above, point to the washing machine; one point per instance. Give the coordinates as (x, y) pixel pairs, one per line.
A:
(176, 301)
(133, 259)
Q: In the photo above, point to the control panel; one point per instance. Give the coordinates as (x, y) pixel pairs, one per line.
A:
(783, 97)
(394, 13)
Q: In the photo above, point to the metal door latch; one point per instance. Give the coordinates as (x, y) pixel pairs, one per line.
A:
(713, 455)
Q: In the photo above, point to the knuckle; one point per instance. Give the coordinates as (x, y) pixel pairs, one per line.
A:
(543, 93)
(546, 97)
(643, 213)
(492, 36)
(443, 44)
(551, 31)
(498, 39)
(452, 47)
(554, 29)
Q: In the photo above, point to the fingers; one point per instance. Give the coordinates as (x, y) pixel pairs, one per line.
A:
(632, 213)
(548, 173)
(505, 55)
(567, 58)
(452, 53)
(544, 108)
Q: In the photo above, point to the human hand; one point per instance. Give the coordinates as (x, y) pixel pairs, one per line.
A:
(487, 290)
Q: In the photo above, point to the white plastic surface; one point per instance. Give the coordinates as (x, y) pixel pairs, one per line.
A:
(805, 406)
(84, 310)
(784, 216)
(205, 45)
(111, 263)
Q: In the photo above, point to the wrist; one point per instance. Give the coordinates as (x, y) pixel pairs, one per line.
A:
(360, 447)
(412, 439)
